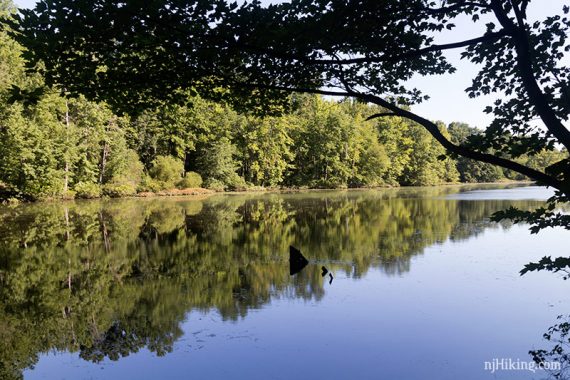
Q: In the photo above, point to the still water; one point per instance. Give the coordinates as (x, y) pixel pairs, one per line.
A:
(424, 287)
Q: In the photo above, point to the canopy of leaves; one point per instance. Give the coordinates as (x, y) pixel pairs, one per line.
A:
(133, 54)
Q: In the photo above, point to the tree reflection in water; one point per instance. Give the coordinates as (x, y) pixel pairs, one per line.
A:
(108, 278)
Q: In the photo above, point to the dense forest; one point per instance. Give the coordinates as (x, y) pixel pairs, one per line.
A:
(52, 146)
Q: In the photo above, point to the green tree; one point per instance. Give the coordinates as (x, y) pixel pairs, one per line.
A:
(54, 144)
(324, 145)
(167, 130)
(167, 171)
(217, 164)
(264, 149)
(397, 142)
(425, 166)
(11, 62)
(363, 60)
(472, 170)
(372, 162)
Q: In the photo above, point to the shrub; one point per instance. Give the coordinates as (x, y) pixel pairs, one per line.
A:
(334, 183)
(119, 190)
(148, 184)
(12, 201)
(216, 185)
(87, 190)
(236, 183)
(168, 170)
(68, 195)
(191, 180)
(129, 170)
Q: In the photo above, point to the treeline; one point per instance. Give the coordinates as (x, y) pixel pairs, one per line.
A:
(54, 147)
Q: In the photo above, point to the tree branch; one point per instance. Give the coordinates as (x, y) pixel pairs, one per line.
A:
(455, 7)
(378, 115)
(519, 14)
(488, 37)
(524, 63)
(433, 129)
(306, 90)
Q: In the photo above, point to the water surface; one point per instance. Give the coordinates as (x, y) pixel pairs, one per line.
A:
(425, 287)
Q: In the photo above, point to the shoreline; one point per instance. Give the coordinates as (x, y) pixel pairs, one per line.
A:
(202, 193)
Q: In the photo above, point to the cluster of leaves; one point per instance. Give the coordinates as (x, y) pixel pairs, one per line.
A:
(559, 335)
(132, 53)
(553, 215)
(547, 263)
(541, 218)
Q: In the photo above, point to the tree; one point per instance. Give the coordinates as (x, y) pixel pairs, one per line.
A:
(11, 63)
(472, 170)
(425, 166)
(166, 130)
(167, 171)
(325, 145)
(218, 166)
(299, 46)
(264, 149)
(138, 53)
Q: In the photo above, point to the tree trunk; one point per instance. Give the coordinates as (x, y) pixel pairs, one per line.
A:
(66, 178)
(66, 170)
(104, 156)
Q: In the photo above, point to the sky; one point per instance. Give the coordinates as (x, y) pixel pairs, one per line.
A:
(448, 101)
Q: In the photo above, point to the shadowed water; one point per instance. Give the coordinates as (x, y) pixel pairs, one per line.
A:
(425, 287)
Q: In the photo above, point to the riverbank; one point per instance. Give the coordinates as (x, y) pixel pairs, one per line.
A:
(203, 192)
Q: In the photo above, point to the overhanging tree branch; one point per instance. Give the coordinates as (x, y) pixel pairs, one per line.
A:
(488, 37)
(378, 115)
(526, 73)
(433, 129)
(456, 7)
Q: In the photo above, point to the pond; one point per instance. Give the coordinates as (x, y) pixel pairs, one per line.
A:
(422, 286)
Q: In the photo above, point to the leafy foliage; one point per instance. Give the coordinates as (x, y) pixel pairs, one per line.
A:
(559, 335)
(167, 171)
(135, 55)
(540, 218)
(547, 263)
(87, 190)
(190, 180)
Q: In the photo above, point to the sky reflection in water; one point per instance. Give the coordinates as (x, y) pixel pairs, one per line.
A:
(425, 287)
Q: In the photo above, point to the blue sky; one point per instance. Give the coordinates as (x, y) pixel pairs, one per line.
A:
(448, 100)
